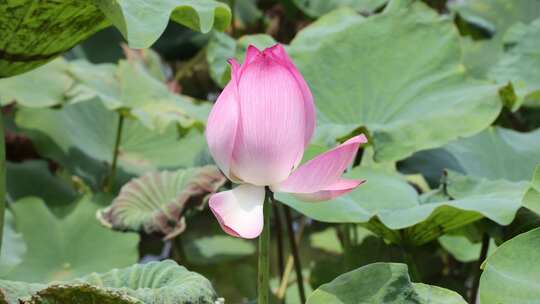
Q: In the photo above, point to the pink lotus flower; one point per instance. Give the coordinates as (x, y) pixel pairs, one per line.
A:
(257, 132)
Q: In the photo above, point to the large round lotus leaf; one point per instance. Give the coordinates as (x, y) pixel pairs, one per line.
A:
(57, 26)
(317, 8)
(408, 97)
(86, 131)
(381, 283)
(520, 65)
(152, 283)
(389, 203)
(156, 201)
(496, 17)
(511, 273)
(62, 249)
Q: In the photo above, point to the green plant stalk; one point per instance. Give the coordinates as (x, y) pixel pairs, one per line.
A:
(263, 279)
(483, 254)
(2, 179)
(296, 256)
(279, 238)
(112, 175)
(413, 268)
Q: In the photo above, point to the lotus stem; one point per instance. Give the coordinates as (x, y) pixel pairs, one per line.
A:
(263, 280)
(295, 254)
(2, 179)
(280, 294)
(478, 272)
(279, 237)
(110, 179)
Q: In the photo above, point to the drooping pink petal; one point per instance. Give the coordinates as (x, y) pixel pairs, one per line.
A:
(278, 52)
(222, 124)
(271, 129)
(240, 211)
(324, 170)
(341, 187)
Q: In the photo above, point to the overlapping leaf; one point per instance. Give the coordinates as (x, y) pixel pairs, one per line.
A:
(381, 283)
(156, 201)
(520, 66)
(388, 203)
(511, 273)
(132, 87)
(81, 137)
(23, 178)
(496, 17)
(408, 98)
(55, 27)
(13, 246)
(317, 8)
(152, 283)
(62, 249)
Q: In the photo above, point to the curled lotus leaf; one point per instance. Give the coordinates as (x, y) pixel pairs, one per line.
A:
(156, 202)
(156, 282)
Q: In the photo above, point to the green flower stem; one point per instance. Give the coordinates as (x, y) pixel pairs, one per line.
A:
(483, 254)
(263, 280)
(110, 179)
(295, 254)
(279, 237)
(2, 178)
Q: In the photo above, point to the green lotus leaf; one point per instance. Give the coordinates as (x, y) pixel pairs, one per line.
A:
(496, 17)
(216, 249)
(381, 283)
(511, 272)
(317, 8)
(13, 246)
(81, 137)
(62, 249)
(56, 27)
(24, 176)
(413, 91)
(498, 153)
(465, 244)
(135, 87)
(392, 208)
(156, 201)
(519, 66)
(223, 47)
(156, 282)
(48, 84)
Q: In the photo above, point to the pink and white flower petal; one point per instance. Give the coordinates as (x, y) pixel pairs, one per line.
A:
(222, 124)
(324, 170)
(271, 130)
(341, 187)
(278, 52)
(240, 211)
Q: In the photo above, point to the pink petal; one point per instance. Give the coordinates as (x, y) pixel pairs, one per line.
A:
(324, 171)
(279, 53)
(271, 130)
(341, 187)
(251, 54)
(222, 124)
(240, 211)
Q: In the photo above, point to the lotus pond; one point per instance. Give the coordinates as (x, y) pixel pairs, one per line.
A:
(270, 151)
